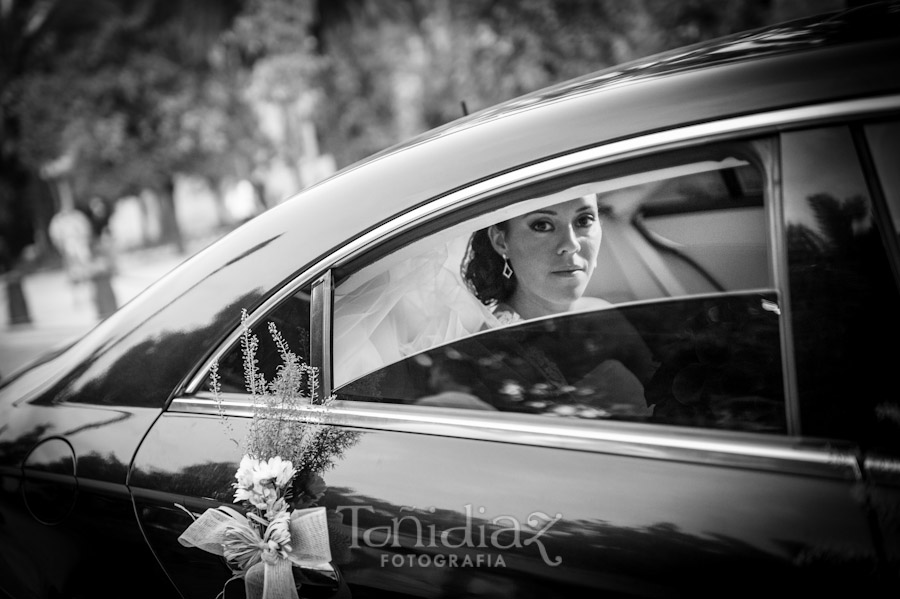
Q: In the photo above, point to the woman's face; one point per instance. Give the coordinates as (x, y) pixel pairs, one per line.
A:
(553, 252)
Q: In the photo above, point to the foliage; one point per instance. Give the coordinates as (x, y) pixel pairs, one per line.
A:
(290, 420)
(397, 68)
(137, 91)
(111, 86)
(280, 66)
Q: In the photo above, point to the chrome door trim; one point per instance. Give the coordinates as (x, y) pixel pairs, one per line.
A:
(882, 469)
(648, 441)
(781, 272)
(590, 157)
(320, 329)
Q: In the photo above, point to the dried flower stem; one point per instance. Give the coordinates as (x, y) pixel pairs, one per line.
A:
(283, 424)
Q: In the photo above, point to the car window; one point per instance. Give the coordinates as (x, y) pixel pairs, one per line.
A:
(884, 140)
(678, 322)
(291, 318)
(710, 361)
(843, 294)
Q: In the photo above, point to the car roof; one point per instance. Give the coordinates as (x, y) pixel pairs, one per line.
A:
(815, 60)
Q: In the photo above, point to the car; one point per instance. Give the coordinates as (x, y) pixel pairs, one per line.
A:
(721, 419)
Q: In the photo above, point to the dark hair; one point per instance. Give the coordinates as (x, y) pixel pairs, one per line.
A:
(482, 269)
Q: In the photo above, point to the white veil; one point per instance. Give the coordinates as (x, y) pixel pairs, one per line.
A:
(397, 308)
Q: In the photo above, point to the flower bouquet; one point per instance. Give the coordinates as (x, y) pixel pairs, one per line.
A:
(278, 482)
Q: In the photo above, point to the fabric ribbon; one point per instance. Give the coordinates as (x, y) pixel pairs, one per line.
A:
(264, 561)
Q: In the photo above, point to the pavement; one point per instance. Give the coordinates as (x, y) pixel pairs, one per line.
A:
(61, 312)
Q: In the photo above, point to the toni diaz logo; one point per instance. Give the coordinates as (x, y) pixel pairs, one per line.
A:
(500, 533)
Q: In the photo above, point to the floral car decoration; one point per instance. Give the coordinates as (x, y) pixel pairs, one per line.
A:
(278, 482)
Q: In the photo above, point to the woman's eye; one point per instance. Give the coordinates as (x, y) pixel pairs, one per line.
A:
(542, 226)
(586, 220)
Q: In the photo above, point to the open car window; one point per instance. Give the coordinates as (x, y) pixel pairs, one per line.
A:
(689, 225)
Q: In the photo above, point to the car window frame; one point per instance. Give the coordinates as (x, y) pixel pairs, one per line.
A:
(397, 230)
(759, 151)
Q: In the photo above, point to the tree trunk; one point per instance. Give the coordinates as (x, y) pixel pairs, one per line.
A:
(217, 190)
(259, 193)
(148, 204)
(26, 205)
(169, 227)
(40, 201)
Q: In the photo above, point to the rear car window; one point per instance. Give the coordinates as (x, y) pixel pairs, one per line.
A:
(844, 295)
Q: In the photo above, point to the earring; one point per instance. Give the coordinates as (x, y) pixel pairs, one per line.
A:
(507, 269)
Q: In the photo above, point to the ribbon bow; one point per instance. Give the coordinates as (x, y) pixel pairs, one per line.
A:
(264, 561)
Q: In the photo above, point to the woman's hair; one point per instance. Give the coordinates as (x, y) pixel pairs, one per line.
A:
(482, 269)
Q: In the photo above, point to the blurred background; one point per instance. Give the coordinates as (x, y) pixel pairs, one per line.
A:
(135, 132)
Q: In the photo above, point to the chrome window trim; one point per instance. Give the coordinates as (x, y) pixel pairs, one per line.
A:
(598, 155)
(326, 324)
(882, 470)
(320, 316)
(590, 157)
(781, 278)
(647, 441)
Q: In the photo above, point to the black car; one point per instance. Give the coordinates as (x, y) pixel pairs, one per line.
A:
(722, 419)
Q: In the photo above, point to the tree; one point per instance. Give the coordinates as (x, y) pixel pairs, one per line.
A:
(112, 86)
(29, 29)
(395, 68)
(134, 92)
(148, 90)
(275, 38)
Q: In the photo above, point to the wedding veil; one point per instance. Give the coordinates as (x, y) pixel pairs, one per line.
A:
(405, 307)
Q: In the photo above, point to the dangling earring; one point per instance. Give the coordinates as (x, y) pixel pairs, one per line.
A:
(507, 269)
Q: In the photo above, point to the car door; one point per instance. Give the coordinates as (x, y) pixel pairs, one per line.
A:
(880, 153)
(641, 504)
(466, 469)
(841, 216)
(64, 467)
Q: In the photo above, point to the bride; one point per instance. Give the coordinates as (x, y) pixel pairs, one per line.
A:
(537, 264)
(439, 291)
(531, 265)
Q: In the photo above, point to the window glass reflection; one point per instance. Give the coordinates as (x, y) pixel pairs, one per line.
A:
(291, 318)
(843, 297)
(711, 362)
(884, 141)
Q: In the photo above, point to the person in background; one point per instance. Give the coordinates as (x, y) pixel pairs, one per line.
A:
(99, 212)
(70, 232)
(86, 258)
